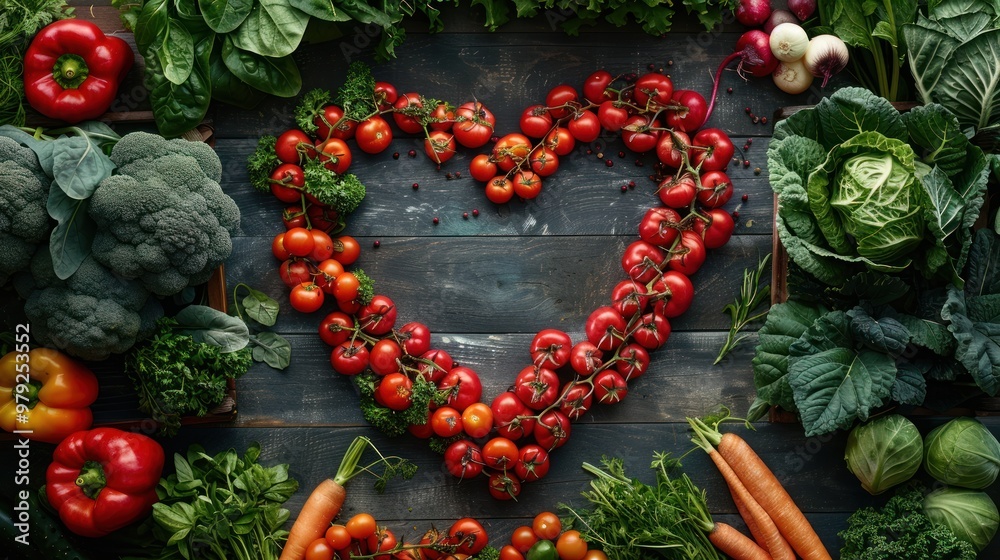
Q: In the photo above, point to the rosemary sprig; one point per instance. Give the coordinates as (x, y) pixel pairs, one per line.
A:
(752, 295)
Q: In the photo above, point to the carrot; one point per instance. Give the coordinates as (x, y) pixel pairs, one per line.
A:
(760, 524)
(735, 544)
(764, 487)
(326, 500)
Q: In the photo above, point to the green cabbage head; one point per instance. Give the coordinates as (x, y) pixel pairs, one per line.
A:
(970, 514)
(884, 452)
(963, 453)
(868, 200)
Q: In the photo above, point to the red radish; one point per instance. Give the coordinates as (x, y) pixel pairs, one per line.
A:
(802, 8)
(754, 51)
(777, 18)
(752, 13)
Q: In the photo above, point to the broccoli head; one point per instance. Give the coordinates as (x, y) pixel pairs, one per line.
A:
(24, 221)
(163, 218)
(91, 314)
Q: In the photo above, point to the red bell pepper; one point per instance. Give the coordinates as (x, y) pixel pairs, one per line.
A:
(103, 479)
(72, 70)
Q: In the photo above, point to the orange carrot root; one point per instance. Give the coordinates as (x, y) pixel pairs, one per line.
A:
(772, 497)
(317, 513)
(735, 544)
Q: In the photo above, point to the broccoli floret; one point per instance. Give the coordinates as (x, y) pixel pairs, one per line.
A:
(342, 193)
(91, 314)
(24, 222)
(163, 218)
(900, 530)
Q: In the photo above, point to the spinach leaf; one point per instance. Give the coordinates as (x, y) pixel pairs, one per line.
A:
(177, 53)
(272, 349)
(224, 16)
(785, 323)
(322, 9)
(260, 307)
(277, 76)
(71, 240)
(273, 28)
(78, 166)
(212, 326)
(227, 88)
(152, 25)
(178, 108)
(833, 383)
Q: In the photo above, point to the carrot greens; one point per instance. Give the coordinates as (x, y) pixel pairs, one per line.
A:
(631, 519)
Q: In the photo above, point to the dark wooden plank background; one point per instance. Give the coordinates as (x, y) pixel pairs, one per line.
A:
(485, 285)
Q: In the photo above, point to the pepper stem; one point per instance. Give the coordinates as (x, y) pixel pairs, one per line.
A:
(91, 479)
(70, 71)
(32, 393)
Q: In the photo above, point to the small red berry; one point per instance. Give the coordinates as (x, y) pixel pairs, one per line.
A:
(609, 163)
(736, 215)
(412, 153)
(377, 244)
(436, 220)
(747, 110)
(730, 90)
(631, 184)
(475, 213)
(395, 155)
(763, 120)
(465, 215)
(458, 174)
(746, 163)
(746, 197)
(416, 186)
(621, 154)
(624, 188)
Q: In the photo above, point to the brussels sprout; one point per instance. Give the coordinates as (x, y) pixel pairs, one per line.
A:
(884, 452)
(971, 515)
(962, 453)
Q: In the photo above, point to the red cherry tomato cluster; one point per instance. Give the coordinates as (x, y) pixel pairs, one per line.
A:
(648, 113)
(312, 266)
(363, 536)
(544, 539)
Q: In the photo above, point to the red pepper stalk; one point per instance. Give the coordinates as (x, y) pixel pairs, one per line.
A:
(104, 479)
(72, 70)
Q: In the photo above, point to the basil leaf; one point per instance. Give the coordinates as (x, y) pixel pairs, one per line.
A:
(224, 16)
(277, 76)
(71, 240)
(211, 326)
(272, 349)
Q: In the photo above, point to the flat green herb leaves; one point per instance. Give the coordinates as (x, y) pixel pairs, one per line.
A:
(276, 76)
(262, 309)
(273, 28)
(223, 506)
(212, 326)
(224, 16)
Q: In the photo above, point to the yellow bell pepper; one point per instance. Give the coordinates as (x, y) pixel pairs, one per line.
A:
(45, 396)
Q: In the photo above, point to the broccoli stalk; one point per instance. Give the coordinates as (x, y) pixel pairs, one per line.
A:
(262, 163)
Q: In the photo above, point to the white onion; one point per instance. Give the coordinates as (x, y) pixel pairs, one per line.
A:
(826, 56)
(792, 77)
(789, 42)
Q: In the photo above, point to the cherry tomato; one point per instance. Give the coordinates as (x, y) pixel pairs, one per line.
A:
(660, 226)
(571, 546)
(641, 261)
(442, 117)
(336, 328)
(294, 272)
(640, 134)
(547, 526)
(335, 153)
(560, 100)
(499, 190)
(500, 453)
(692, 116)
(396, 391)
(584, 126)
(512, 418)
(550, 348)
(596, 88)
(716, 190)
(278, 248)
(361, 526)
(293, 146)
(349, 358)
(532, 463)
(537, 387)
(477, 420)
(523, 538)
(470, 533)
(293, 217)
(446, 422)
(439, 146)
(612, 115)
(633, 361)
(319, 549)
(527, 184)
(671, 147)
(595, 554)
(482, 168)
(345, 287)
(502, 486)
(576, 399)
(298, 242)
(327, 272)
(323, 217)
(378, 316)
(286, 181)
(605, 328)
(407, 123)
(414, 338)
(473, 124)
(306, 297)
(385, 95)
(511, 150)
(463, 459)
(688, 256)
(652, 331)
(585, 358)
(338, 537)
(373, 135)
(544, 162)
(383, 539)
(719, 228)
(440, 364)
(560, 141)
(535, 121)
(678, 293)
(629, 297)
(552, 430)
(463, 387)
(322, 245)
(346, 249)
(712, 149)
(653, 87)
(331, 123)
(384, 355)
(678, 192)
(609, 387)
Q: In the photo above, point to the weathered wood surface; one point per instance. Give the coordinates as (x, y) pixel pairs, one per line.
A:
(485, 285)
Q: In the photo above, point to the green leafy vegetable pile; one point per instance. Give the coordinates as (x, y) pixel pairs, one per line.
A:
(222, 507)
(876, 210)
(20, 20)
